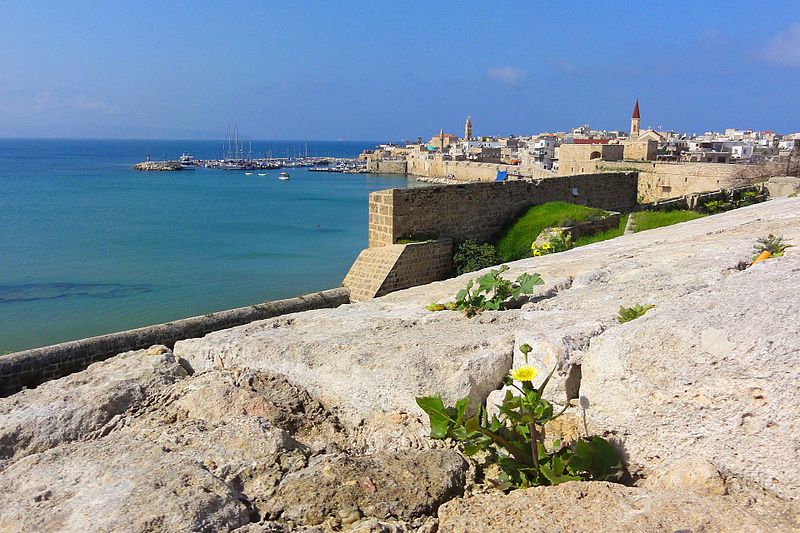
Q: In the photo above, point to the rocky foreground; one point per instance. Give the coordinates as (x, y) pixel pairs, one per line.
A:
(308, 421)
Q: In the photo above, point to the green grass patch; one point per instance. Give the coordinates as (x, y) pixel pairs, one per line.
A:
(516, 242)
(645, 220)
(604, 235)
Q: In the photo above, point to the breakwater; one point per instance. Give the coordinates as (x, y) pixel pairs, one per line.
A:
(158, 166)
(30, 368)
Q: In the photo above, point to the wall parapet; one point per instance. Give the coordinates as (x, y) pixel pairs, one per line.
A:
(30, 368)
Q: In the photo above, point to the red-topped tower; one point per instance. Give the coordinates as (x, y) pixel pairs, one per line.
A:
(635, 120)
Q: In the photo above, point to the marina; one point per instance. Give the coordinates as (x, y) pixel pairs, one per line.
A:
(346, 165)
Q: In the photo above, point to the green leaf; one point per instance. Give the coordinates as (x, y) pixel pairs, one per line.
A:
(555, 471)
(439, 418)
(598, 458)
(528, 281)
(461, 408)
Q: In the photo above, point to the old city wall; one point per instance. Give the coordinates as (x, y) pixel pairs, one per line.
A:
(479, 211)
(659, 181)
(384, 269)
(386, 166)
(436, 167)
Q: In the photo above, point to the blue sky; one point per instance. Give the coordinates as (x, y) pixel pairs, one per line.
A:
(393, 70)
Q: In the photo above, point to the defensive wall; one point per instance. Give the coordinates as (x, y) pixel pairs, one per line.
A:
(658, 181)
(384, 269)
(386, 166)
(479, 211)
(434, 166)
(30, 368)
(441, 215)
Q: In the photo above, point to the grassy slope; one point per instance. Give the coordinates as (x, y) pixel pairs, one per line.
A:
(646, 220)
(516, 241)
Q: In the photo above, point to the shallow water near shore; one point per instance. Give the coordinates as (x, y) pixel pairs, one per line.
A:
(90, 246)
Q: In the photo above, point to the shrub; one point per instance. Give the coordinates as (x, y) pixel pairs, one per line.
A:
(491, 293)
(716, 206)
(515, 440)
(470, 256)
(626, 314)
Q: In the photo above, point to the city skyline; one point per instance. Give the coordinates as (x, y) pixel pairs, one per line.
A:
(361, 72)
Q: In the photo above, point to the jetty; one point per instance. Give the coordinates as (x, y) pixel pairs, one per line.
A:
(158, 166)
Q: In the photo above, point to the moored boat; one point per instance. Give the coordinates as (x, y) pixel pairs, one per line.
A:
(284, 176)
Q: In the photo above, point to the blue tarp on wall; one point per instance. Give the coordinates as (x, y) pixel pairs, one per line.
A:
(501, 175)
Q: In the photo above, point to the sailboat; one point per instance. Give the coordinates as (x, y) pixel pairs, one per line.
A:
(232, 159)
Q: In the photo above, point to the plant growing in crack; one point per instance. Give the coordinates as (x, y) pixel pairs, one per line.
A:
(769, 246)
(492, 292)
(514, 440)
(626, 314)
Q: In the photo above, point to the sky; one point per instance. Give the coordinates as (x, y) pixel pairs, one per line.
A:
(378, 70)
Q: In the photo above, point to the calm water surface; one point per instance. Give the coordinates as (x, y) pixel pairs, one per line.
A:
(90, 246)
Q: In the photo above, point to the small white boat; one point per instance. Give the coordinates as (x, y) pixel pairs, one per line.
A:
(283, 176)
(260, 174)
(248, 173)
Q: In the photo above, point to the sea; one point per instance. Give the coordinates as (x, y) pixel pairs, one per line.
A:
(88, 245)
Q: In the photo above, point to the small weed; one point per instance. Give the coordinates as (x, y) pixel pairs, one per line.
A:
(772, 244)
(626, 314)
(514, 440)
(491, 293)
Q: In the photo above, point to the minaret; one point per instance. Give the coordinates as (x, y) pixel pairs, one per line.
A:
(635, 120)
(468, 129)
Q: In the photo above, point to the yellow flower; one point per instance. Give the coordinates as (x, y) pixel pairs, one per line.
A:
(524, 373)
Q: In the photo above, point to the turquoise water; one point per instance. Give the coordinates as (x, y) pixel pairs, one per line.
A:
(90, 246)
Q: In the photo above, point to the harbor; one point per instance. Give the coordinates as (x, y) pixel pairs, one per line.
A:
(344, 165)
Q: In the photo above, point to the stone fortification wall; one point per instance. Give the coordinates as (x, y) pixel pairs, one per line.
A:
(480, 210)
(386, 166)
(30, 368)
(384, 269)
(435, 167)
(659, 181)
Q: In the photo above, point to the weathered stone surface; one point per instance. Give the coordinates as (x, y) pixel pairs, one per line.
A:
(783, 186)
(115, 484)
(72, 407)
(342, 489)
(371, 358)
(713, 374)
(599, 506)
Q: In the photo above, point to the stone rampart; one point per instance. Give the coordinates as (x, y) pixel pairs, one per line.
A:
(30, 368)
(433, 166)
(479, 211)
(384, 269)
(659, 181)
(386, 166)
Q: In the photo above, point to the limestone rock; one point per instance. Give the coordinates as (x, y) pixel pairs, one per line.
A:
(115, 484)
(72, 407)
(369, 359)
(342, 488)
(712, 374)
(688, 474)
(600, 506)
(783, 186)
